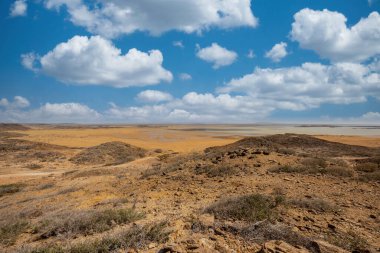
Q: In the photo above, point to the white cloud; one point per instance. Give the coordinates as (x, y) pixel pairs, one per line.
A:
(277, 52)
(185, 76)
(18, 102)
(96, 61)
(28, 61)
(309, 85)
(153, 96)
(371, 117)
(18, 111)
(217, 55)
(111, 18)
(18, 8)
(178, 44)
(326, 33)
(251, 54)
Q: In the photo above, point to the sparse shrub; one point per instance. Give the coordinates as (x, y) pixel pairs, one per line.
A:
(10, 230)
(367, 167)
(350, 241)
(318, 205)
(216, 170)
(86, 222)
(373, 176)
(93, 173)
(286, 169)
(266, 231)
(135, 237)
(10, 188)
(286, 151)
(339, 171)
(250, 208)
(45, 186)
(314, 162)
(34, 166)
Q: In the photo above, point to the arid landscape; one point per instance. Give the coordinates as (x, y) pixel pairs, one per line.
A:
(71, 188)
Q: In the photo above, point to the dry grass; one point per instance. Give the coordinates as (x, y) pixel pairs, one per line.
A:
(216, 170)
(249, 208)
(337, 171)
(367, 167)
(137, 238)
(10, 188)
(11, 229)
(266, 231)
(318, 205)
(85, 222)
(373, 176)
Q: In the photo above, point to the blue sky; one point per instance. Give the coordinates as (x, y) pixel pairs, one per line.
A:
(213, 61)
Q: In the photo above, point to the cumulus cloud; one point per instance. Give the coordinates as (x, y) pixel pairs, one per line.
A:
(217, 55)
(111, 18)
(153, 96)
(326, 33)
(185, 76)
(277, 52)
(96, 61)
(18, 102)
(18, 8)
(18, 111)
(309, 85)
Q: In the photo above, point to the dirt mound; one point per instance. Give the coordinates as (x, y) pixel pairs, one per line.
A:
(290, 143)
(109, 153)
(12, 127)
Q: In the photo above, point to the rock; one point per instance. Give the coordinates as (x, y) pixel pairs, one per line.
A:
(207, 220)
(152, 245)
(372, 216)
(331, 226)
(280, 247)
(325, 247)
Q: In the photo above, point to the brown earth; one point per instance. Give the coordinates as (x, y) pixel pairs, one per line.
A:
(279, 193)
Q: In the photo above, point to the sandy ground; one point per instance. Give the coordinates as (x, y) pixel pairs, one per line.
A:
(179, 138)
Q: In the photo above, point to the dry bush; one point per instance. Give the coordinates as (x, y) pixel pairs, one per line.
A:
(266, 231)
(318, 205)
(314, 162)
(337, 171)
(93, 173)
(137, 237)
(85, 222)
(249, 208)
(33, 166)
(350, 241)
(10, 188)
(216, 170)
(11, 229)
(367, 167)
(373, 176)
(45, 186)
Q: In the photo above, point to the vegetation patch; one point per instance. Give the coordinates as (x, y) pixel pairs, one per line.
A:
(86, 222)
(373, 176)
(216, 170)
(249, 208)
(137, 238)
(10, 230)
(10, 188)
(318, 205)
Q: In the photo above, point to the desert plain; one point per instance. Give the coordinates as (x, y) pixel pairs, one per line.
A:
(189, 188)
